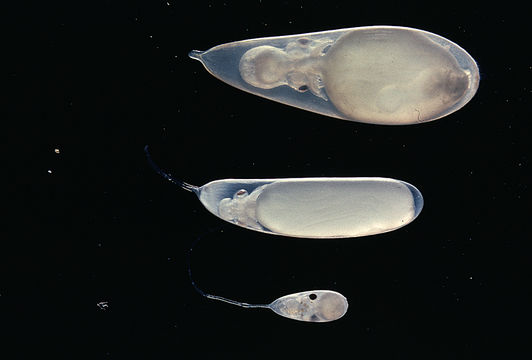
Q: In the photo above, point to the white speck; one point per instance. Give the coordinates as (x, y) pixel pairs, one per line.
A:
(56, 151)
(49, 171)
(167, 3)
(470, 278)
(103, 305)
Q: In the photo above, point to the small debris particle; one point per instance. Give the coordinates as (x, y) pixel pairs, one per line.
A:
(103, 305)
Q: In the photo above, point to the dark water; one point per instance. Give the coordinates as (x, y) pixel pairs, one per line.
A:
(94, 255)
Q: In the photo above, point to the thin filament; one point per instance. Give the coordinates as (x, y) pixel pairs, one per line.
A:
(158, 170)
(216, 297)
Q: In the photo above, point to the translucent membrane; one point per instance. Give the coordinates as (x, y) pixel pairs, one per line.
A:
(312, 306)
(377, 74)
(314, 207)
(310, 207)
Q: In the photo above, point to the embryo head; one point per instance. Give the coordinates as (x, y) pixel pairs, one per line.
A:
(297, 65)
(264, 67)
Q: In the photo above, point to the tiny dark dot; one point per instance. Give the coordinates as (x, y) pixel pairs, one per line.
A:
(303, 88)
(313, 296)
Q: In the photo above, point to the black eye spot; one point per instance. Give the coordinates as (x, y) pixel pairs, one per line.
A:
(303, 88)
(304, 41)
(313, 296)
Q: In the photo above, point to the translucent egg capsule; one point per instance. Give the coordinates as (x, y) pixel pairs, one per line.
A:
(313, 207)
(319, 207)
(313, 306)
(378, 74)
(310, 306)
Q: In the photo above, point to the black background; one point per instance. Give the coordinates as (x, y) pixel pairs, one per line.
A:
(94, 223)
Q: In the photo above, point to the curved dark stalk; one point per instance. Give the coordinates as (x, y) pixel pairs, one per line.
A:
(158, 170)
